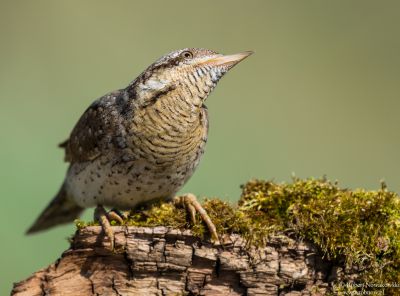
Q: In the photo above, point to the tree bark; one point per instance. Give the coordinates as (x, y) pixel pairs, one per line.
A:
(164, 261)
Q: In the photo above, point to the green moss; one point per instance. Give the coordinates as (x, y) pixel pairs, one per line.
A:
(159, 213)
(360, 227)
(82, 224)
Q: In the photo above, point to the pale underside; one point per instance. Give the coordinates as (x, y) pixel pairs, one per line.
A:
(126, 185)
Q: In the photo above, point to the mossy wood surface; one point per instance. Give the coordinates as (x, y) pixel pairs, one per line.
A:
(162, 261)
(305, 238)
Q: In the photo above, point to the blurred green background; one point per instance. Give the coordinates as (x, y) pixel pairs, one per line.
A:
(320, 96)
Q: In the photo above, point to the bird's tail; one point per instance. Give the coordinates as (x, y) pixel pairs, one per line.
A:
(60, 210)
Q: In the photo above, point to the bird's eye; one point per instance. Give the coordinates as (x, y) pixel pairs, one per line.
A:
(187, 54)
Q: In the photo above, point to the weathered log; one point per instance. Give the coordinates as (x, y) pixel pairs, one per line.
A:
(165, 261)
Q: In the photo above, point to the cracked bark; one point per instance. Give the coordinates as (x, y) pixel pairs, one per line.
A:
(164, 261)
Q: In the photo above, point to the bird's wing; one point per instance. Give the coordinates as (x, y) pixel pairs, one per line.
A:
(95, 131)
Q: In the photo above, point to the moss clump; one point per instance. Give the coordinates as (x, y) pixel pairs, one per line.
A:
(360, 227)
(160, 213)
(82, 224)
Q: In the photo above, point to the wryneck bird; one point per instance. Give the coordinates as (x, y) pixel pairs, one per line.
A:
(141, 143)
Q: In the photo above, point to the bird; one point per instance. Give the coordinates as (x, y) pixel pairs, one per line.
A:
(140, 143)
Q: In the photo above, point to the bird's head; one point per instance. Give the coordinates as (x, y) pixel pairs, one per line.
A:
(192, 72)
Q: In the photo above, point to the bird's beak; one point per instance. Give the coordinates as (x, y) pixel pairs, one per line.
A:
(226, 60)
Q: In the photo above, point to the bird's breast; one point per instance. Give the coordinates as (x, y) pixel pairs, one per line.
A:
(168, 132)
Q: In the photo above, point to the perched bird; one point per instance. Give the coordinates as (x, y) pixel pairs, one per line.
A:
(141, 143)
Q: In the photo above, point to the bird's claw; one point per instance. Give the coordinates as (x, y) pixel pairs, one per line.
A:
(105, 218)
(192, 205)
(117, 215)
(101, 216)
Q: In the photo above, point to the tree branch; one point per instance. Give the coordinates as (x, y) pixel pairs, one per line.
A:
(164, 261)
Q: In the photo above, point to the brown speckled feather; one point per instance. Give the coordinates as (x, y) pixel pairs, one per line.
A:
(97, 130)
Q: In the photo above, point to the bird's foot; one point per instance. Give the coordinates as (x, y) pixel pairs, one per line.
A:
(105, 218)
(192, 205)
(117, 215)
